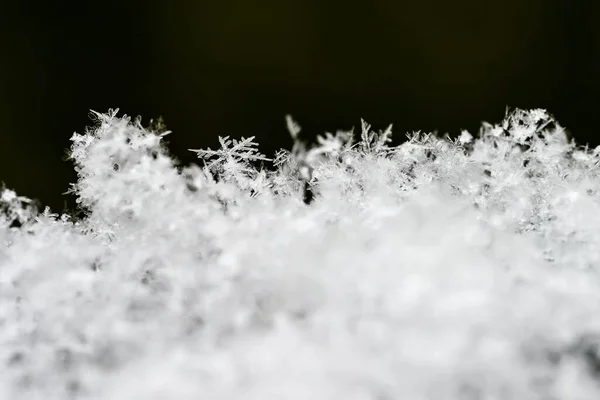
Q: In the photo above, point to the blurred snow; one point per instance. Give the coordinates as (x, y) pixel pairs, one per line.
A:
(439, 269)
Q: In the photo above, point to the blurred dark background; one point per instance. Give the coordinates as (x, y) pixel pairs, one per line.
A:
(236, 67)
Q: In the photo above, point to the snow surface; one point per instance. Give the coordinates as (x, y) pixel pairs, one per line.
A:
(438, 269)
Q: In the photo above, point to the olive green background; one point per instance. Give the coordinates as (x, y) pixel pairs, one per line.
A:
(237, 67)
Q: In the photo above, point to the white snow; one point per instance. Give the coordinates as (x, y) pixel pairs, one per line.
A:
(462, 269)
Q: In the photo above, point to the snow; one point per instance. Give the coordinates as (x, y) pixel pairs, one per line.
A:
(459, 269)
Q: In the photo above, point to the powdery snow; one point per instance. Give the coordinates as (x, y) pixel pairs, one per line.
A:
(459, 269)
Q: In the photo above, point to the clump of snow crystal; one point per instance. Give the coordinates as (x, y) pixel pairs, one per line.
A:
(462, 269)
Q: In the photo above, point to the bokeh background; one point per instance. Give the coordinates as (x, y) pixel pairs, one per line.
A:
(236, 67)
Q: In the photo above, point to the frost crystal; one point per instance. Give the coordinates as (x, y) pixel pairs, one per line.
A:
(463, 268)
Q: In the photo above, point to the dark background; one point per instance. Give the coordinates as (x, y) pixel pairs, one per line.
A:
(235, 67)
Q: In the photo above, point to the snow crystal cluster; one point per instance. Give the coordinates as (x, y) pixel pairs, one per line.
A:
(439, 269)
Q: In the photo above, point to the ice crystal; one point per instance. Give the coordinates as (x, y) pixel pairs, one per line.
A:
(441, 268)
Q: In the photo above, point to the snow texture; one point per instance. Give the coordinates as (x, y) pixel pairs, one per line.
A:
(463, 269)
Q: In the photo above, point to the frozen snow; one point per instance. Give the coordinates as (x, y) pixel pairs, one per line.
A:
(462, 269)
